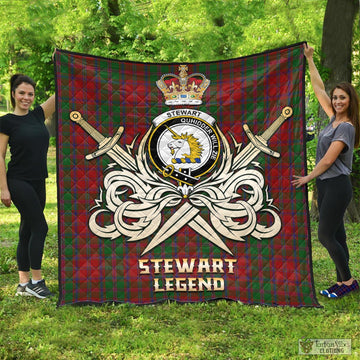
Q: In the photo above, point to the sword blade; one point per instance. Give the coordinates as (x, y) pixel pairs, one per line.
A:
(179, 219)
(122, 158)
(245, 157)
(204, 229)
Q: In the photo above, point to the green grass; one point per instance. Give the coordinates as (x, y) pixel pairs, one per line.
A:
(221, 330)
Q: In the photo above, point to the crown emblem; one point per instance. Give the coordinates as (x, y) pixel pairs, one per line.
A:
(183, 88)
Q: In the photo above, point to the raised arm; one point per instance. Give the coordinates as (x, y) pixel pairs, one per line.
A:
(317, 83)
(4, 190)
(49, 106)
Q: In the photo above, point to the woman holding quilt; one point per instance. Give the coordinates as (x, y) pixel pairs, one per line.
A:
(23, 183)
(333, 166)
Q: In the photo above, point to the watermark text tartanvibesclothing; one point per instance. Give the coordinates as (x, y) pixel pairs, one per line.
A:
(325, 346)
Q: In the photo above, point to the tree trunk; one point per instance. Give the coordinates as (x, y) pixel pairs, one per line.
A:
(337, 40)
(114, 10)
(314, 212)
(336, 57)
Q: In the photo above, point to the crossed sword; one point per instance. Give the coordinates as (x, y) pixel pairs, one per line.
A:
(187, 214)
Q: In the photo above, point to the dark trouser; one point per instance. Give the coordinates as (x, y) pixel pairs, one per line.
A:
(29, 198)
(334, 195)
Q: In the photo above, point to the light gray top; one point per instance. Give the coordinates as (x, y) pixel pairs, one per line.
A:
(344, 132)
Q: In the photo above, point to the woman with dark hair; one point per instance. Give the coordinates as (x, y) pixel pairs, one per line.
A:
(23, 183)
(333, 166)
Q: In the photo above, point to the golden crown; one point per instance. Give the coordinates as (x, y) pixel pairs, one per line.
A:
(183, 88)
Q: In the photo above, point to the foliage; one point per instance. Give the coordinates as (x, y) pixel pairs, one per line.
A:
(141, 30)
(282, 23)
(356, 55)
(26, 43)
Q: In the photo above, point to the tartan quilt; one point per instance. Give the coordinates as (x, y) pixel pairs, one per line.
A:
(174, 180)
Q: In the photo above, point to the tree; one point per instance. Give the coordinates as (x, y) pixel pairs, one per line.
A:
(26, 43)
(337, 40)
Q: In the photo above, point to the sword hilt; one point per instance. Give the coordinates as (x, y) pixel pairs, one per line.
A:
(106, 145)
(76, 117)
(260, 141)
(270, 131)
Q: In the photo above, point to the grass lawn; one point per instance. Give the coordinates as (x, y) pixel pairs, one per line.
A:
(222, 330)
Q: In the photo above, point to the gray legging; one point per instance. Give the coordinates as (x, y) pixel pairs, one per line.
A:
(334, 195)
(29, 198)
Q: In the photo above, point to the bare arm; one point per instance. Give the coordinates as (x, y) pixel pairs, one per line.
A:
(331, 155)
(317, 83)
(49, 106)
(4, 190)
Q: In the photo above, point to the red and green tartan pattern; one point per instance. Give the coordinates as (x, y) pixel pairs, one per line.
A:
(110, 93)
